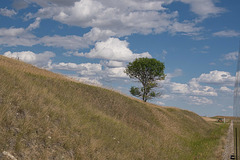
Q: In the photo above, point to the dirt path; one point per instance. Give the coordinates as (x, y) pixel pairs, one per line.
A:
(229, 146)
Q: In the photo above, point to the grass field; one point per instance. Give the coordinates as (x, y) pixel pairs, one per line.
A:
(47, 116)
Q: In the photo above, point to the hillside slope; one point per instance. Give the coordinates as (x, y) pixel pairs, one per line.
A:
(46, 116)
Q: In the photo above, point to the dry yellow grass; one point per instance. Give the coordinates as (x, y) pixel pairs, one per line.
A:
(47, 116)
(209, 119)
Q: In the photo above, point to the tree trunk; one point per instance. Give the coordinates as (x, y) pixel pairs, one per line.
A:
(144, 94)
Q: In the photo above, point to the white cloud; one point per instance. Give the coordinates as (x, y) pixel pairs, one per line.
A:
(67, 42)
(91, 72)
(203, 8)
(226, 89)
(7, 12)
(217, 77)
(89, 81)
(113, 49)
(199, 100)
(11, 31)
(160, 103)
(116, 72)
(24, 39)
(186, 28)
(22, 36)
(165, 96)
(19, 4)
(179, 88)
(17, 36)
(194, 91)
(84, 69)
(197, 89)
(191, 88)
(177, 72)
(113, 64)
(34, 25)
(227, 33)
(231, 56)
(107, 19)
(133, 5)
(123, 4)
(77, 42)
(42, 60)
(123, 17)
(46, 3)
(97, 34)
(79, 14)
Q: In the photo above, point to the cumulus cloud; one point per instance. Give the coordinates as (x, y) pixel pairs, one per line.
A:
(112, 64)
(231, 56)
(185, 28)
(84, 69)
(19, 4)
(97, 34)
(117, 72)
(106, 18)
(179, 88)
(121, 17)
(177, 72)
(193, 87)
(34, 25)
(7, 12)
(67, 42)
(88, 80)
(135, 4)
(204, 8)
(199, 94)
(11, 31)
(199, 100)
(19, 36)
(123, 4)
(226, 89)
(16, 37)
(43, 3)
(80, 14)
(42, 60)
(195, 91)
(92, 73)
(113, 49)
(217, 77)
(227, 33)
(23, 36)
(77, 42)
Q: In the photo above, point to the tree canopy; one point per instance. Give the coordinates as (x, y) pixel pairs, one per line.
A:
(147, 71)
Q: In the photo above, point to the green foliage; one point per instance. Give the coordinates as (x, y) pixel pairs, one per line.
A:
(147, 71)
(135, 91)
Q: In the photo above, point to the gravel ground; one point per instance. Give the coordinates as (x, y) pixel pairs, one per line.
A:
(229, 146)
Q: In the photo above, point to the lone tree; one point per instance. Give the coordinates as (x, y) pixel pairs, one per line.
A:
(147, 71)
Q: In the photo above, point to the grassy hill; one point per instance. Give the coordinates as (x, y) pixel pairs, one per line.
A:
(46, 116)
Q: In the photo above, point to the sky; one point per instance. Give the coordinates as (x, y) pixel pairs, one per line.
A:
(93, 41)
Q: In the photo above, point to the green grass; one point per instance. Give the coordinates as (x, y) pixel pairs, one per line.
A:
(47, 116)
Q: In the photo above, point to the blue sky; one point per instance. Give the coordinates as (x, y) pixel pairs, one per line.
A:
(93, 40)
